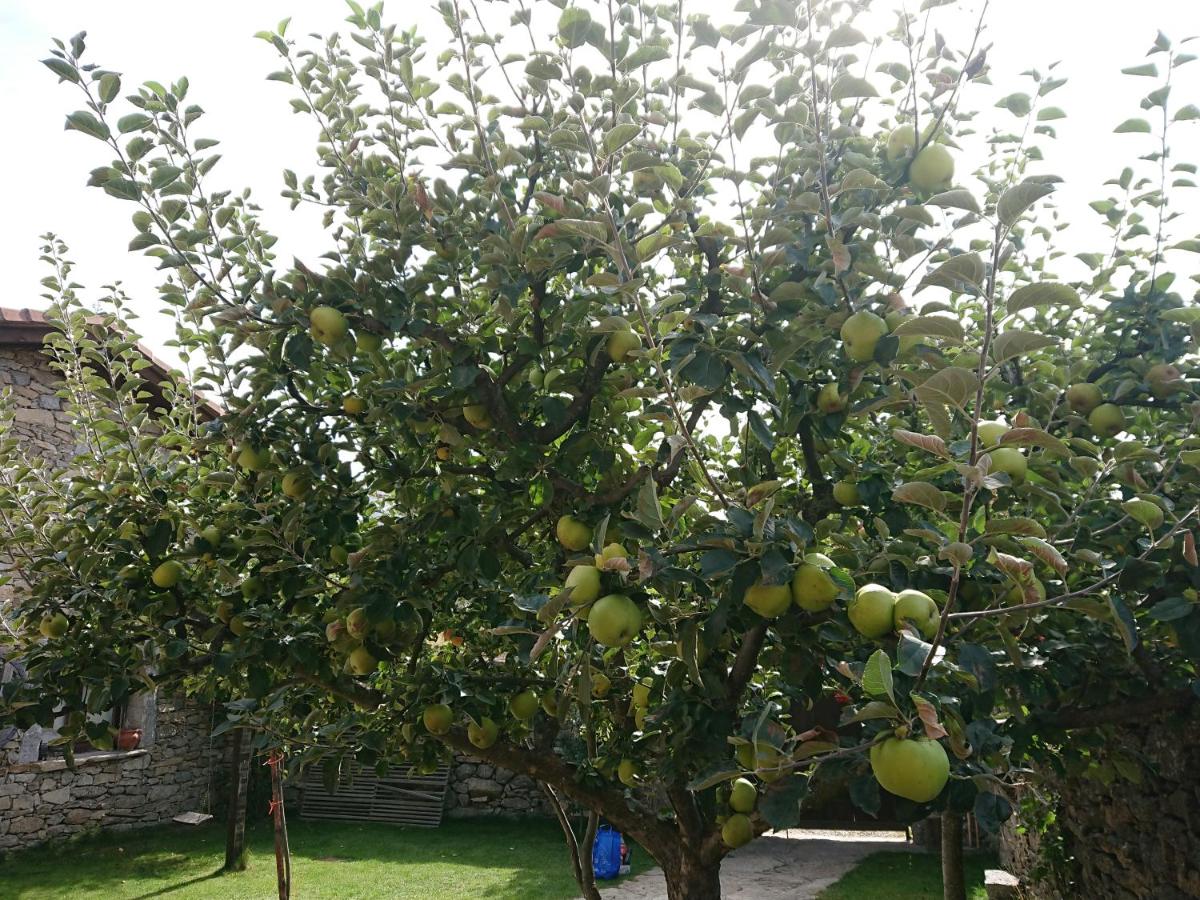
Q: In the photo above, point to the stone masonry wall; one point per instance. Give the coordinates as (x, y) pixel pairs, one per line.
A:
(479, 789)
(43, 800)
(1130, 839)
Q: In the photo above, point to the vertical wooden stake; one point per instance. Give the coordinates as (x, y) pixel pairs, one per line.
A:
(283, 855)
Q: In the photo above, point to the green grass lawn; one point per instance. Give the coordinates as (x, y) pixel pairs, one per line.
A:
(911, 876)
(477, 859)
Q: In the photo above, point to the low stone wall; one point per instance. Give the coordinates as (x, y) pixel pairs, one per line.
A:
(1134, 838)
(43, 800)
(479, 789)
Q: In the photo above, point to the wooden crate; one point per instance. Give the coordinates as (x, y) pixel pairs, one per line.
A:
(402, 797)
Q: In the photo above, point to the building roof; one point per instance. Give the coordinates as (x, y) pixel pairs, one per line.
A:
(29, 327)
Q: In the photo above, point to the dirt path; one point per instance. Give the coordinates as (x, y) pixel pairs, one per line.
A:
(795, 865)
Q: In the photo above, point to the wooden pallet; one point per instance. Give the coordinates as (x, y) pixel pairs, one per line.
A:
(402, 797)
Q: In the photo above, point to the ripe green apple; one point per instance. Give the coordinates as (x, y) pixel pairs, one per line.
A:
(1147, 512)
(629, 772)
(362, 662)
(615, 620)
(1165, 380)
(253, 459)
(240, 626)
(523, 705)
(743, 795)
(871, 610)
(737, 831)
(550, 703)
(918, 609)
(1107, 420)
(366, 342)
(812, 588)
(356, 623)
(483, 733)
(338, 555)
(354, 405)
(990, 432)
(611, 551)
(437, 718)
(914, 768)
(252, 587)
(641, 693)
(1084, 397)
(477, 415)
(768, 600)
(621, 343)
(54, 626)
(1010, 461)
(762, 759)
(167, 574)
(573, 534)
(327, 325)
(212, 536)
(932, 169)
(901, 141)
(846, 493)
(1016, 594)
(224, 611)
(584, 582)
(296, 485)
(830, 399)
(601, 685)
(860, 333)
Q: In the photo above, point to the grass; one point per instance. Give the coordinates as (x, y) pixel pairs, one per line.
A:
(498, 860)
(913, 876)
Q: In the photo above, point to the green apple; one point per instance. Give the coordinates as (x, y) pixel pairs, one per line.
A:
(743, 795)
(901, 142)
(913, 768)
(356, 623)
(483, 733)
(1165, 380)
(615, 620)
(601, 685)
(1147, 512)
(167, 574)
(477, 415)
(1010, 461)
(296, 485)
(768, 600)
(253, 459)
(918, 609)
(550, 703)
(212, 536)
(1016, 594)
(366, 342)
(611, 551)
(327, 325)
(629, 772)
(846, 493)
(523, 705)
(338, 555)
(1084, 397)
(354, 405)
(437, 718)
(990, 432)
(1107, 420)
(362, 662)
(641, 693)
(621, 343)
(737, 831)
(239, 625)
(573, 534)
(584, 582)
(871, 610)
(762, 759)
(54, 626)
(812, 588)
(931, 170)
(830, 399)
(860, 333)
(252, 587)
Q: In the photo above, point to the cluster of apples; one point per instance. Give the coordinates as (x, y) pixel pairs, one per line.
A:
(811, 588)
(614, 620)
(876, 610)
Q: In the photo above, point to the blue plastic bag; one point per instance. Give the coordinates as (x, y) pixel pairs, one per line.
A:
(606, 853)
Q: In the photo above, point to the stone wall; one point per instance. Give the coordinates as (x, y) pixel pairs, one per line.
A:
(477, 788)
(41, 423)
(172, 772)
(1134, 838)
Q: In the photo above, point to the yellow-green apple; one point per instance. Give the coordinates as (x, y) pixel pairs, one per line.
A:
(812, 588)
(483, 733)
(743, 795)
(1011, 462)
(327, 325)
(762, 759)
(830, 399)
(296, 485)
(768, 600)
(362, 662)
(991, 431)
(871, 610)
(615, 620)
(1107, 420)
(167, 574)
(477, 415)
(621, 343)
(932, 169)
(523, 705)
(641, 693)
(901, 141)
(53, 626)
(573, 534)
(584, 582)
(846, 493)
(913, 768)
(1084, 397)
(212, 536)
(253, 459)
(354, 405)
(860, 333)
(610, 551)
(601, 685)
(629, 772)
(737, 831)
(916, 608)
(1165, 380)
(356, 623)
(367, 342)
(252, 587)
(437, 718)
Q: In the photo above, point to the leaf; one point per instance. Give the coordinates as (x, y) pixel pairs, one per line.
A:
(1186, 113)
(760, 492)
(1035, 296)
(719, 772)
(1171, 609)
(1034, 437)
(991, 811)
(1149, 70)
(1017, 199)
(978, 662)
(781, 806)
(1014, 567)
(850, 86)
(951, 386)
(62, 69)
(1012, 344)
(133, 122)
(844, 36)
(1016, 525)
(956, 274)
(760, 429)
(649, 510)
(955, 199)
(88, 124)
(110, 86)
(928, 442)
(877, 676)
(874, 709)
(920, 493)
(620, 135)
(1185, 315)
(930, 326)
(864, 791)
(1045, 552)
(912, 652)
(1133, 126)
(644, 56)
(162, 176)
(929, 717)
(597, 231)
(1123, 622)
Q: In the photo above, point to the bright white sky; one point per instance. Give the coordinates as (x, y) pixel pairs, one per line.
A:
(47, 169)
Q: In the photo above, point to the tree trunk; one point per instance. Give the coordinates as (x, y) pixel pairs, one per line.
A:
(283, 853)
(690, 878)
(585, 878)
(239, 772)
(953, 881)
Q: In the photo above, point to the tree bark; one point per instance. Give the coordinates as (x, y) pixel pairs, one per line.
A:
(691, 877)
(283, 853)
(954, 886)
(239, 772)
(585, 878)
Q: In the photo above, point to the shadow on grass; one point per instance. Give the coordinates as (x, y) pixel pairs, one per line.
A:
(172, 888)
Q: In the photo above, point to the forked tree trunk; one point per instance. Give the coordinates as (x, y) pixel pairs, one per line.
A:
(690, 878)
(954, 885)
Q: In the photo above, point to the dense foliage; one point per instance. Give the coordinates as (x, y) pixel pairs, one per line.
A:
(725, 296)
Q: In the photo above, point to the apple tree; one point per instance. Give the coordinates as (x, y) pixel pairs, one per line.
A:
(695, 416)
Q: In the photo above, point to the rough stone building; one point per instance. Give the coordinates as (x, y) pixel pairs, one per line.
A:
(172, 769)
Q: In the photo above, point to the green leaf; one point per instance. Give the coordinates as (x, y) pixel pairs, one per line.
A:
(1171, 609)
(955, 199)
(1036, 296)
(1034, 437)
(644, 56)
(1017, 199)
(930, 326)
(133, 122)
(920, 493)
(1185, 315)
(620, 135)
(877, 676)
(956, 274)
(88, 124)
(1186, 113)
(1012, 344)
(110, 86)
(649, 511)
(1017, 104)
(875, 709)
(1050, 114)
(1146, 69)
(62, 69)
(1134, 126)
(781, 806)
(1123, 622)
(848, 87)
(162, 176)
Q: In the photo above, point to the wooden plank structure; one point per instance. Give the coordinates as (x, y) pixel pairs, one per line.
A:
(401, 797)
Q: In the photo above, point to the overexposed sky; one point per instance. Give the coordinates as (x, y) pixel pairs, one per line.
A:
(212, 44)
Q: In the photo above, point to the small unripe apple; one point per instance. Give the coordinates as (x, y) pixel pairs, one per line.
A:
(1107, 420)
(354, 405)
(573, 534)
(901, 141)
(830, 399)
(846, 493)
(437, 718)
(253, 459)
(584, 582)
(357, 624)
(932, 169)
(296, 485)
(483, 733)
(768, 600)
(917, 608)
(610, 551)
(743, 795)
(601, 685)
(212, 536)
(1165, 380)
(1084, 397)
(167, 574)
(641, 693)
(366, 342)
(1010, 461)
(615, 620)
(54, 626)
(812, 588)
(860, 333)
(737, 831)
(550, 703)
(362, 662)
(621, 343)
(523, 705)
(990, 432)
(477, 415)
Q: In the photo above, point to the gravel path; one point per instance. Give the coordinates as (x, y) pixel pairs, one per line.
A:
(789, 865)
